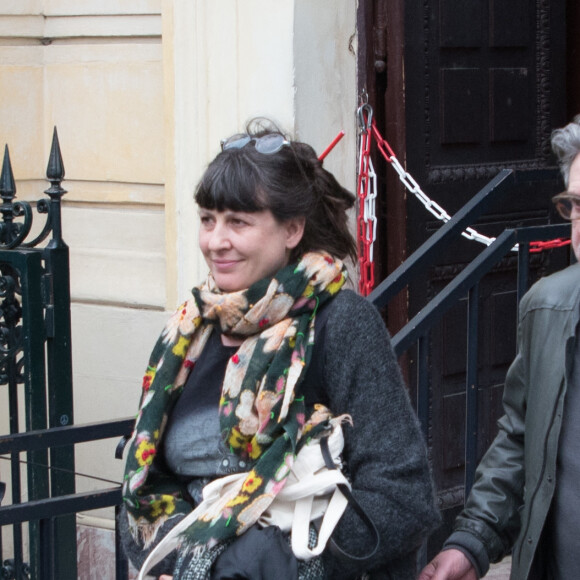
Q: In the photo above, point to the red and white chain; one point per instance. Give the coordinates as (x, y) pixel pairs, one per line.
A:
(434, 208)
(367, 195)
(431, 206)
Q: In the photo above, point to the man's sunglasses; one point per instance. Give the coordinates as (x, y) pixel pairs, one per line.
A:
(568, 205)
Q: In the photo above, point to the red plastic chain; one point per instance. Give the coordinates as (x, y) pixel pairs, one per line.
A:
(536, 247)
(382, 144)
(366, 231)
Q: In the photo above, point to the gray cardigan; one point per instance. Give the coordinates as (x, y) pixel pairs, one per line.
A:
(384, 450)
(354, 370)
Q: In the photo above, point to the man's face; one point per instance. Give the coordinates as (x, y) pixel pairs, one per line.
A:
(574, 187)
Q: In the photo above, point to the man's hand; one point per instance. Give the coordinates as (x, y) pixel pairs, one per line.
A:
(165, 577)
(449, 565)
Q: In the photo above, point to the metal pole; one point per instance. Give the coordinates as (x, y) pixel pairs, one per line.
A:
(423, 384)
(423, 412)
(471, 406)
(121, 563)
(46, 533)
(15, 474)
(59, 366)
(523, 269)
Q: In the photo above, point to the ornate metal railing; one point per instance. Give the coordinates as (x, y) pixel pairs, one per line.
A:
(465, 284)
(46, 511)
(35, 358)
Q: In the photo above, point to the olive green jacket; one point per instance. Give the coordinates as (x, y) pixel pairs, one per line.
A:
(514, 485)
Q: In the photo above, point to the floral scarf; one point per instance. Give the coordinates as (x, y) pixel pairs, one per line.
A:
(262, 415)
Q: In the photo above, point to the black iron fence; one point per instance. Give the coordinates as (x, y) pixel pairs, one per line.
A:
(466, 283)
(36, 381)
(47, 512)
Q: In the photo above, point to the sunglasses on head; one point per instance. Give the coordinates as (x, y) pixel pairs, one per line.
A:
(568, 205)
(267, 145)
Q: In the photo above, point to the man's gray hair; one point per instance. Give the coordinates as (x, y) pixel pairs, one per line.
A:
(566, 145)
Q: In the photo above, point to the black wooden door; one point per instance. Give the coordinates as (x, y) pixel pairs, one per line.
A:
(481, 89)
(484, 89)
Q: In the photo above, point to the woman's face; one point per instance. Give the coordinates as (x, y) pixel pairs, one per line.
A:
(241, 248)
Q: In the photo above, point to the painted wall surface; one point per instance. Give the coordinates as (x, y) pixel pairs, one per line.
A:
(94, 69)
(142, 91)
(231, 61)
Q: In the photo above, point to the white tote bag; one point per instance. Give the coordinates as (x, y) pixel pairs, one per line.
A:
(311, 494)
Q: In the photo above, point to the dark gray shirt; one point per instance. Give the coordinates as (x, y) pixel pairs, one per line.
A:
(565, 518)
(192, 445)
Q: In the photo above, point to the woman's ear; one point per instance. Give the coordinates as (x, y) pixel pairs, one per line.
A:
(294, 231)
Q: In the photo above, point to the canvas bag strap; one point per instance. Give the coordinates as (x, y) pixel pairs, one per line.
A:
(302, 519)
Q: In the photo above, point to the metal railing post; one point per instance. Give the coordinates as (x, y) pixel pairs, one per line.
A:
(423, 383)
(9, 341)
(523, 270)
(59, 365)
(121, 562)
(471, 388)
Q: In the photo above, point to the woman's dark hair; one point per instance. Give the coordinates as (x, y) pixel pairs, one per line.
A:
(290, 183)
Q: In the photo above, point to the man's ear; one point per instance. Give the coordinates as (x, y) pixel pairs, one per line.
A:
(294, 231)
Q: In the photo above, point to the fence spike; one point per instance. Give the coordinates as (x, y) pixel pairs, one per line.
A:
(7, 184)
(55, 174)
(55, 168)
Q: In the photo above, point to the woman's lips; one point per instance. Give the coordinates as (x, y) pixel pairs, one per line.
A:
(224, 264)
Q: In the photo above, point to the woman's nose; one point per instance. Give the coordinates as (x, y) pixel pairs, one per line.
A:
(219, 239)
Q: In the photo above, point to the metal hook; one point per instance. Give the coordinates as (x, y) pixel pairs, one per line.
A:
(364, 96)
(365, 124)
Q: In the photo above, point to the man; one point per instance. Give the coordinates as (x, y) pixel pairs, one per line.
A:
(526, 495)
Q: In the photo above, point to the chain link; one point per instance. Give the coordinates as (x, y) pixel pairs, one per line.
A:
(430, 205)
(367, 195)
(536, 247)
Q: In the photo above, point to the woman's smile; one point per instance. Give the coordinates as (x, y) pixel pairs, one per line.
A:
(221, 264)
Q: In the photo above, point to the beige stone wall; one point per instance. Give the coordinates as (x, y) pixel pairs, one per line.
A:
(94, 69)
(141, 92)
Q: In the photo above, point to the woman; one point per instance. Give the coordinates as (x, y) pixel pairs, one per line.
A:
(252, 362)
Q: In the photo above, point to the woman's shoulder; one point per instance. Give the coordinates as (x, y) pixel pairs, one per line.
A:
(350, 326)
(353, 310)
(348, 301)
